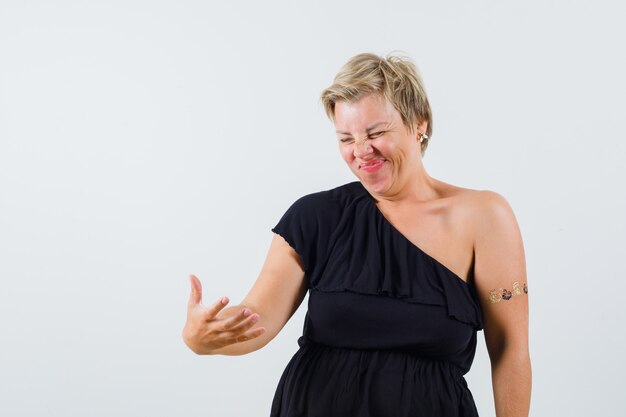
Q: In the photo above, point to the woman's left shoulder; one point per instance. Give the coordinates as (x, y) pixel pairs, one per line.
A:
(481, 206)
(499, 259)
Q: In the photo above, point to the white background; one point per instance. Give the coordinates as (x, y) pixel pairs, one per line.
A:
(141, 141)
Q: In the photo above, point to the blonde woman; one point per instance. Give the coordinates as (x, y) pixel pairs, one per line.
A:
(402, 271)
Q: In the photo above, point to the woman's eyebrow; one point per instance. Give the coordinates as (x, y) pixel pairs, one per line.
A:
(367, 130)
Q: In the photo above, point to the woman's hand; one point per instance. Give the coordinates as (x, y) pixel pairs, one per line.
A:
(205, 331)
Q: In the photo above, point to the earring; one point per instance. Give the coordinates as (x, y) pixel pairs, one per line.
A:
(422, 137)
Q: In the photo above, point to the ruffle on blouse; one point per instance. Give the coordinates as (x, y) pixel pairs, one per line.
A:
(355, 248)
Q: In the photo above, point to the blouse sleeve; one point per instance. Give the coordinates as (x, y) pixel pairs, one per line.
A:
(299, 226)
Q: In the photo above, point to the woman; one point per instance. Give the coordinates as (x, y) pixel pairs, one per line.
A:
(402, 271)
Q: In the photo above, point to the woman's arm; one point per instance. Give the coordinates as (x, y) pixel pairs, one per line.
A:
(500, 278)
(273, 299)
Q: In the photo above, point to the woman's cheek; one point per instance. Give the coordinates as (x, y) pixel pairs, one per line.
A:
(347, 154)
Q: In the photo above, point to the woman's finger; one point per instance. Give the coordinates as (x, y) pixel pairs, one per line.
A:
(195, 297)
(249, 335)
(246, 324)
(233, 321)
(216, 307)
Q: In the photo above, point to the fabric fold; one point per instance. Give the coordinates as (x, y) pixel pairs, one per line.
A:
(368, 255)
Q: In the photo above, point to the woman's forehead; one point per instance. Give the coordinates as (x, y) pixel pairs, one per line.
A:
(364, 114)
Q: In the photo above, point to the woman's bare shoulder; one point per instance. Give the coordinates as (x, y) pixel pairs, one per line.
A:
(470, 198)
(477, 207)
(486, 214)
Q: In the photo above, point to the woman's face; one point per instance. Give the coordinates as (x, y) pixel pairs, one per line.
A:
(375, 144)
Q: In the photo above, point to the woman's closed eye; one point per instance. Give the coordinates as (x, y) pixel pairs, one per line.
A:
(371, 136)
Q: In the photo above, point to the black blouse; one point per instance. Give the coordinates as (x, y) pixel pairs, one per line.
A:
(389, 330)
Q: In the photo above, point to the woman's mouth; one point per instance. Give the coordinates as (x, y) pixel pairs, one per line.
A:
(372, 166)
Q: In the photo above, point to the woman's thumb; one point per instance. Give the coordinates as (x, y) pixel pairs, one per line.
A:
(196, 291)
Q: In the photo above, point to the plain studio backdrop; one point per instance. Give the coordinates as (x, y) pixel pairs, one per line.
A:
(141, 141)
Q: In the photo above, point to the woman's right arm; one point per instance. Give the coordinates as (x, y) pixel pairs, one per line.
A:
(274, 297)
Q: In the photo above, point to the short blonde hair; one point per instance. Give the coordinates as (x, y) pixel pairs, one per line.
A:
(395, 77)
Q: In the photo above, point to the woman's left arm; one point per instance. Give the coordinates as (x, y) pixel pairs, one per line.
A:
(502, 286)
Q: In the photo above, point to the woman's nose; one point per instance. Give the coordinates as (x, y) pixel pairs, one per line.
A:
(361, 148)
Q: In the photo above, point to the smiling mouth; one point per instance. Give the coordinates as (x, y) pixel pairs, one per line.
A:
(371, 163)
(372, 167)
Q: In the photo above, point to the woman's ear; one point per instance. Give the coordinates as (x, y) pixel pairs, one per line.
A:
(421, 129)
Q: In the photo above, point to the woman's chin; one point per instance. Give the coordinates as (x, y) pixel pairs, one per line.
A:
(378, 184)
